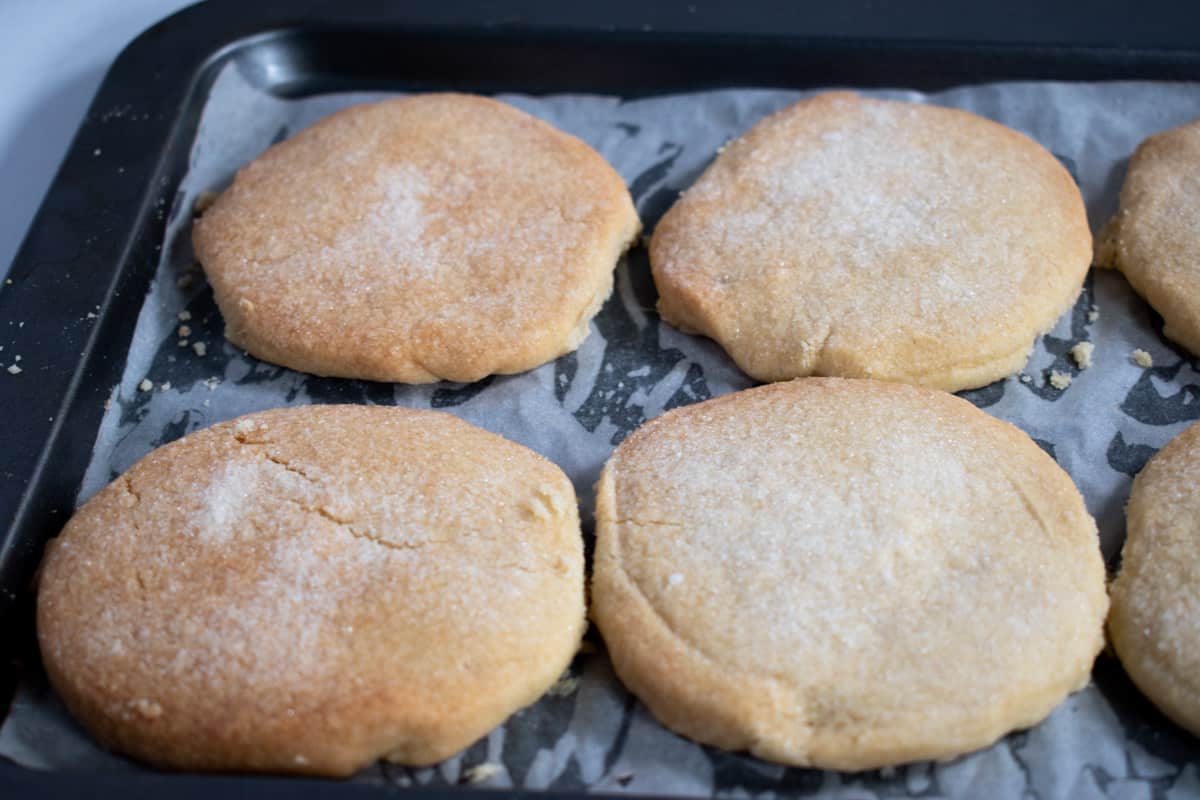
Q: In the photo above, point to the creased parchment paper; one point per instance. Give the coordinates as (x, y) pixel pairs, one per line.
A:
(1104, 741)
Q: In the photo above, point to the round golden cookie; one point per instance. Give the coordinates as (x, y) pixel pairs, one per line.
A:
(844, 574)
(1154, 623)
(308, 589)
(438, 236)
(1154, 239)
(865, 238)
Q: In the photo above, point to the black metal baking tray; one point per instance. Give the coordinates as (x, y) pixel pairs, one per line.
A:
(77, 283)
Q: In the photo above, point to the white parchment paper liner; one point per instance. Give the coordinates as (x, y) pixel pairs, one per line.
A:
(1101, 742)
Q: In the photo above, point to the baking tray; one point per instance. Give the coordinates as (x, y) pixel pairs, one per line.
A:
(81, 275)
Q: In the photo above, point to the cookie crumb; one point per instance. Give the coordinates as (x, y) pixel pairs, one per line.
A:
(165, 386)
(145, 385)
(1093, 313)
(185, 331)
(1142, 358)
(566, 685)
(184, 316)
(244, 426)
(1023, 378)
(14, 370)
(148, 709)
(1082, 353)
(91, 315)
(212, 383)
(481, 772)
(1104, 249)
(204, 201)
(1059, 380)
(182, 343)
(201, 349)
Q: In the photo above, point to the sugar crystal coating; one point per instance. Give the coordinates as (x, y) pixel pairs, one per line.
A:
(335, 582)
(1155, 620)
(416, 239)
(863, 238)
(844, 573)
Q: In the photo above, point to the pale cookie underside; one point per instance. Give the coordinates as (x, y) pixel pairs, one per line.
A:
(308, 589)
(1154, 239)
(1155, 619)
(862, 238)
(423, 238)
(829, 573)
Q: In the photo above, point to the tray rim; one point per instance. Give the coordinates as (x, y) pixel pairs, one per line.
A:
(166, 71)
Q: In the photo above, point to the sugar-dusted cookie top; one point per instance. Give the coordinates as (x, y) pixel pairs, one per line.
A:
(844, 574)
(1154, 239)
(1155, 619)
(864, 238)
(439, 236)
(309, 589)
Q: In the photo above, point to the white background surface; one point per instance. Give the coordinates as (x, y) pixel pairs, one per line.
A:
(53, 55)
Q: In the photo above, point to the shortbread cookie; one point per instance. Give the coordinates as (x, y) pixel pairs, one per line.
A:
(431, 237)
(1155, 619)
(863, 238)
(1154, 239)
(308, 589)
(844, 574)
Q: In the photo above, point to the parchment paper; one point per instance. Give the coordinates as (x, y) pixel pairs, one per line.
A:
(1104, 741)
